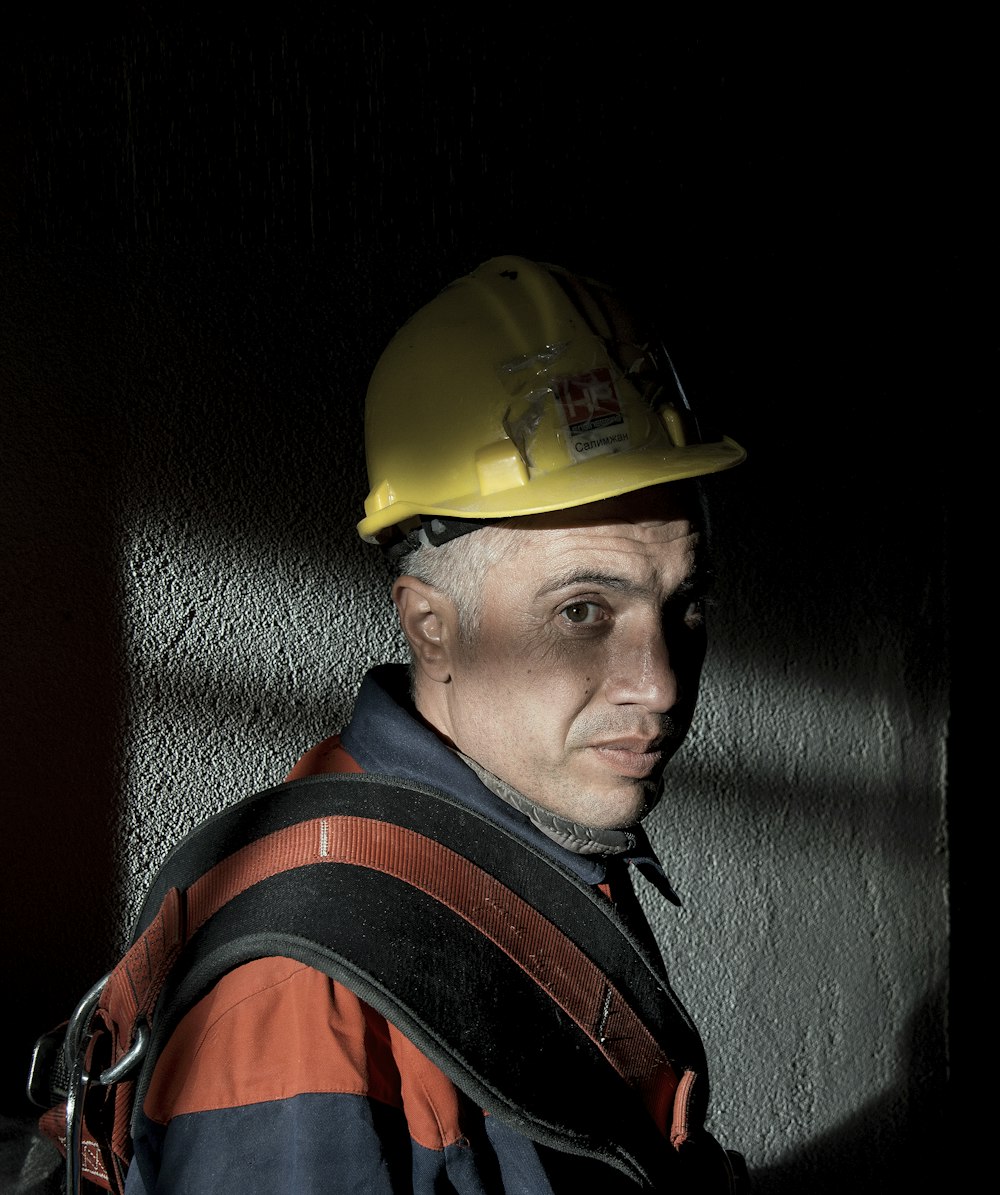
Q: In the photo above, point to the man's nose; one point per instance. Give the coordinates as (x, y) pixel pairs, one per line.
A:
(641, 673)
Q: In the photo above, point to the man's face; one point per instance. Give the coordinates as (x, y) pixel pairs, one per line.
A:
(580, 681)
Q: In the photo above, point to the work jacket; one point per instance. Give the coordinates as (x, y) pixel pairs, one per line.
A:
(281, 1079)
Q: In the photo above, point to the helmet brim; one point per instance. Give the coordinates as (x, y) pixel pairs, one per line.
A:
(603, 477)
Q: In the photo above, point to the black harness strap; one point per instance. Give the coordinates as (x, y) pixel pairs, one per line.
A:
(488, 935)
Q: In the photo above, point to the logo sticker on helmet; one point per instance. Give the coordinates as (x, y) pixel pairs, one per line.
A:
(592, 411)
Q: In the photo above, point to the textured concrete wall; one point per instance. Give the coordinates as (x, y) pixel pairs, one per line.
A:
(187, 607)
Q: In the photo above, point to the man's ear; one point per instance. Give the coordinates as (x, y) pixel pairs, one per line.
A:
(430, 624)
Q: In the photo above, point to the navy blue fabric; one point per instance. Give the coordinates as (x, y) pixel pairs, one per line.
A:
(530, 1169)
(322, 1144)
(308, 1145)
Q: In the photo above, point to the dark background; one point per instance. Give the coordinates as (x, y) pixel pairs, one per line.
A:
(804, 199)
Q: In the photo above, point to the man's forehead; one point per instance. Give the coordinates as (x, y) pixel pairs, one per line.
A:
(635, 543)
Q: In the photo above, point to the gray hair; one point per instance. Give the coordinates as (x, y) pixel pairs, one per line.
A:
(459, 568)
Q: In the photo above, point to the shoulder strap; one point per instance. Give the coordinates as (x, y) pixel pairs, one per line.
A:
(488, 935)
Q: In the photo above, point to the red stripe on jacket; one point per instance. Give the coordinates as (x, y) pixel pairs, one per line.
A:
(274, 1028)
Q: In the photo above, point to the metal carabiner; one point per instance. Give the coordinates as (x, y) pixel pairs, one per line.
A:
(74, 1048)
(78, 1037)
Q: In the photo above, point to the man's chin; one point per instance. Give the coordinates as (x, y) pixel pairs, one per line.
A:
(621, 807)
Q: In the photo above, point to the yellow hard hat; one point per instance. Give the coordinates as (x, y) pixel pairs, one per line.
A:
(522, 388)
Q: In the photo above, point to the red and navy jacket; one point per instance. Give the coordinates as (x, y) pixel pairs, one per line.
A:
(282, 1080)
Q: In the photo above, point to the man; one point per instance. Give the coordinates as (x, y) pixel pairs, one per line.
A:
(530, 456)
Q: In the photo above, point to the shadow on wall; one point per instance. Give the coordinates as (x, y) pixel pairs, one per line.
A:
(894, 1143)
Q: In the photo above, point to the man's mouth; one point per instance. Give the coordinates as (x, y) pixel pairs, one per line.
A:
(635, 758)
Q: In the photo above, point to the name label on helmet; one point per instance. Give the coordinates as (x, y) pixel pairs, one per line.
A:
(591, 410)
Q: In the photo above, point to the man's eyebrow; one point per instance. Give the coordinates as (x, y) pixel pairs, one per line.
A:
(691, 583)
(603, 580)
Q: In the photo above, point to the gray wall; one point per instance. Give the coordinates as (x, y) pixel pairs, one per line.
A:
(210, 229)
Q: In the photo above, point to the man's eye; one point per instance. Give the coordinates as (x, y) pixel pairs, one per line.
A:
(582, 612)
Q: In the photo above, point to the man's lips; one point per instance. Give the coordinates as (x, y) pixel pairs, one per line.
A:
(636, 758)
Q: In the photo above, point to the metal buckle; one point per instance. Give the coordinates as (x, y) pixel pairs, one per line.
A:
(78, 1038)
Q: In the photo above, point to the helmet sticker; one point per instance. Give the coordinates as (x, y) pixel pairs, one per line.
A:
(591, 410)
